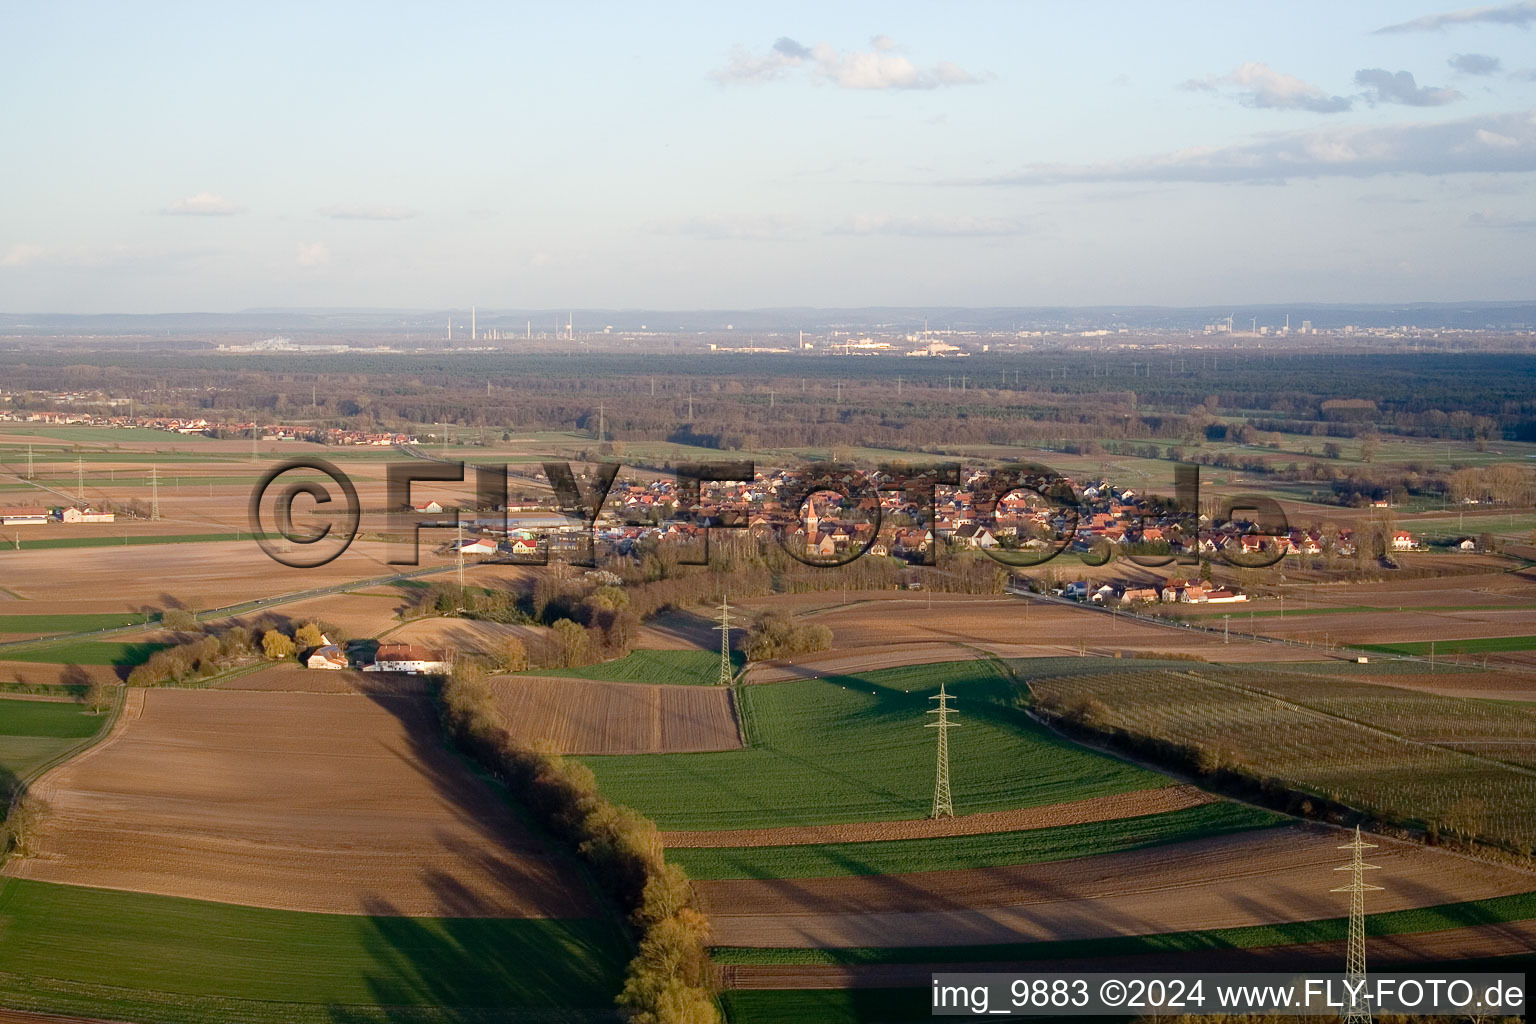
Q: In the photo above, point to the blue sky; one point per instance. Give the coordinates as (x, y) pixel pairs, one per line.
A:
(172, 157)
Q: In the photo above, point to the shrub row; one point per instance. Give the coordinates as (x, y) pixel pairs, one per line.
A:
(668, 980)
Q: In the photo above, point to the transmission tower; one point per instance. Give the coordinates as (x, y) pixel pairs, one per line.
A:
(1359, 1011)
(943, 807)
(154, 492)
(31, 473)
(80, 478)
(727, 675)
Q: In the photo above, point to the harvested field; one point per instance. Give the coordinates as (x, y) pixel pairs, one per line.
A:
(291, 678)
(1265, 877)
(462, 634)
(1076, 812)
(296, 802)
(584, 716)
(888, 625)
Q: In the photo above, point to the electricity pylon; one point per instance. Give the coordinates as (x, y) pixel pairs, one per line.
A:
(727, 675)
(943, 807)
(31, 473)
(80, 478)
(1359, 1011)
(154, 492)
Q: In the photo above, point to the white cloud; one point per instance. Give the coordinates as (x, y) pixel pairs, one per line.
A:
(1474, 63)
(204, 204)
(313, 254)
(882, 67)
(930, 227)
(725, 227)
(21, 254)
(367, 211)
(1382, 86)
(1360, 151)
(1520, 15)
(1258, 85)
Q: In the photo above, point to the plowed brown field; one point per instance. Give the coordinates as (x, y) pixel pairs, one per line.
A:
(1225, 882)
(1077, 812)
(1489, 940)
(584, 716)
(339, 804)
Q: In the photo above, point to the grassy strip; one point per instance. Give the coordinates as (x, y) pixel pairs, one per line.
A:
(1476, 645)
(1521, 907)
(70, 622)
(126, 540)
(958, 853)
(854, 748)
(129, 956)
(120, 653)
(826, 1006)
(674, 668)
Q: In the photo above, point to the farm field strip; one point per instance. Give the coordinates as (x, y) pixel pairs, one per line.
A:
(584, 716)
(1134, 804)
(1519, 908)
(962, 853)
(96, 952)
(1360, 764)
(1268, 876)
(854, 748)
(303, 802)
(667, 667)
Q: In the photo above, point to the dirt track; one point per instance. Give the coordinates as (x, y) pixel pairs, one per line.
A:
(341, 804)
(1103, 808)
(584, 716)
(1231, 881)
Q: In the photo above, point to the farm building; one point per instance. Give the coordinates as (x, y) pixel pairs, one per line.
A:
(329, 657)
(87, 514)
(23, 515)
(407, 658)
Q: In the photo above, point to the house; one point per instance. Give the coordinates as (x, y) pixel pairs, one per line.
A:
(1139, 595)
(407, 658)
(431, 508)
(1465, 544)
(1077, 590)
(85, 515)
(24, 515)
(975, 536)
(1402, 540)
(523, 544)
(327, 657)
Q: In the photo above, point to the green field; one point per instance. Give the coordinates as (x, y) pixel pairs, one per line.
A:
(854, 748)
(1477, 645)
(958, 853)
(135, 956)
(34, 731)
(1521, 907)
(675, 668)
(66, 623)
(121, 653)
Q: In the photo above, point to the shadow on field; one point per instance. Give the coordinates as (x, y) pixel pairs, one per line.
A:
(470, 968)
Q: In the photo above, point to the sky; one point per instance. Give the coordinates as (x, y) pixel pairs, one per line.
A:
(217, 157)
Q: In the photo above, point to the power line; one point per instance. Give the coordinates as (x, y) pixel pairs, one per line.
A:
(1359, 1011)
(154, 492)
(943, 806)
